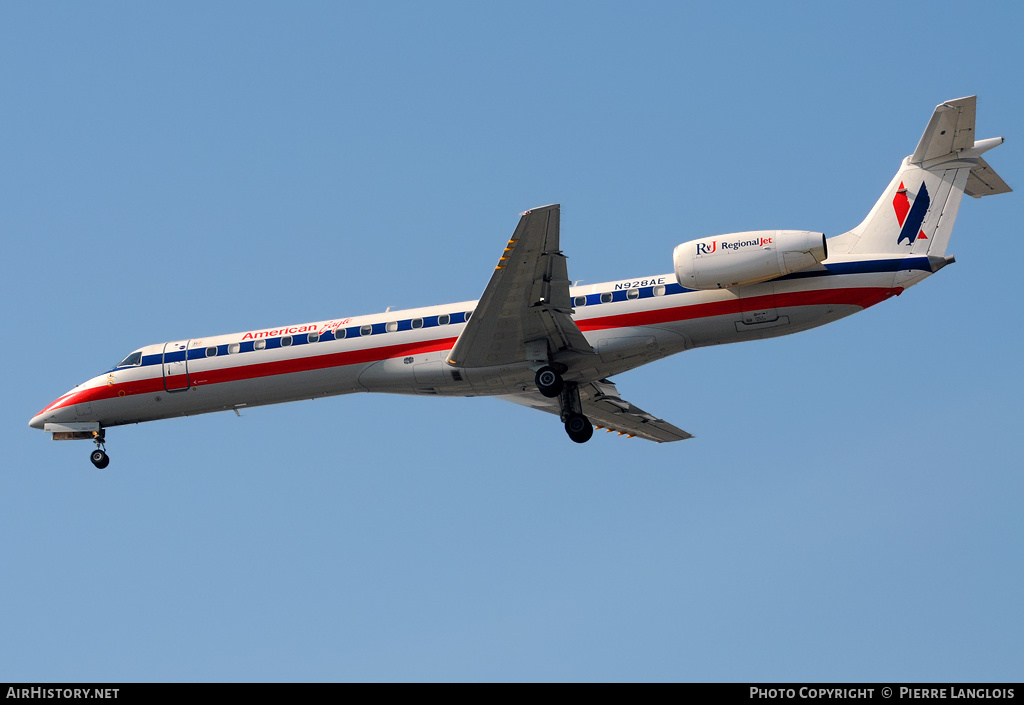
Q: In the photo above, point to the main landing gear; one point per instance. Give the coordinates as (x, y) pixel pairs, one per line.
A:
(99, 456)
(579, 428)
(551, 384)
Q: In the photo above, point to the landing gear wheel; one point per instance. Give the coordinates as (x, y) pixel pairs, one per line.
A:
(549, 382)
(99, 459)
(579, 428)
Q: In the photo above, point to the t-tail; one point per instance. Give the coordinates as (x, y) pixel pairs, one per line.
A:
(915, 214)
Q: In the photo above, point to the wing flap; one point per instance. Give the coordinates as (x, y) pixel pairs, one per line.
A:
(608, 411)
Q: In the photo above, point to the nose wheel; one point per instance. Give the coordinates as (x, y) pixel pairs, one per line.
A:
(99, 456)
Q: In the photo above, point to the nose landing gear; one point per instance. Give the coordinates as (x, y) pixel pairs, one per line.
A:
(99, 456)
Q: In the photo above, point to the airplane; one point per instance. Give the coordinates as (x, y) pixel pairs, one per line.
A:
(535, 340)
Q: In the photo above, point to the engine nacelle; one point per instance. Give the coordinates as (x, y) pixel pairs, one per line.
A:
(736, 259)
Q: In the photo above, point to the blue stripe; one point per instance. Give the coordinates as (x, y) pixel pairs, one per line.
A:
(869, 267)
(865, 267)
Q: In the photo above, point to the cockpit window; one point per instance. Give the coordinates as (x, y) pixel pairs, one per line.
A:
(133, 360)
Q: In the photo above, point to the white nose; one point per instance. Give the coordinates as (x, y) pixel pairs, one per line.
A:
(58, 411)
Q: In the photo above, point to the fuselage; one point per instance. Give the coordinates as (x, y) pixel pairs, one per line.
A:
(628, 323)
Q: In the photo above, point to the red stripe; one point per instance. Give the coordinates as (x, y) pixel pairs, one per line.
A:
(862, 297)
(319, 362)
(265, 369)
(59, 401)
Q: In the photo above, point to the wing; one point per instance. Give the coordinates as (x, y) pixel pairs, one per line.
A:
(606, 409)
(525, 312)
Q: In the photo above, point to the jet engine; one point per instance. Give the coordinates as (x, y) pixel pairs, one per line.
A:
(746, 258)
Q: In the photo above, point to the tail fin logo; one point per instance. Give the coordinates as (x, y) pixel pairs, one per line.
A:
(910, 217)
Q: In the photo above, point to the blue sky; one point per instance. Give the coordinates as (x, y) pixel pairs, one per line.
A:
(849, 509)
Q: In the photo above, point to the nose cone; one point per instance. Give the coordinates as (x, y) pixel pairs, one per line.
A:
(60, 410)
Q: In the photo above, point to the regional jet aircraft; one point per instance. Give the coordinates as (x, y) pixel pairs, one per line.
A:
(535, 340)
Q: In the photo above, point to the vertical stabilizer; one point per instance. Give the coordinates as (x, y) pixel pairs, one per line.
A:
(915, 213)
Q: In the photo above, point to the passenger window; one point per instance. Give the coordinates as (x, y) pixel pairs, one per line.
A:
(391, 326)
(234, 348)
(286, 340)
(312, 337)
(579, 301)
(417, 323)
(469, 315)
(259, 345)
(632, 293)
(606, 298)
(211, 351)
(443, 319)
(133, 360)
(659, 290)
(339, 333)
(365, 330)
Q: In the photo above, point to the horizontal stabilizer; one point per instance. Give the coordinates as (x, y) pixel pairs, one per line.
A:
(984, 181)
(950, 130)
